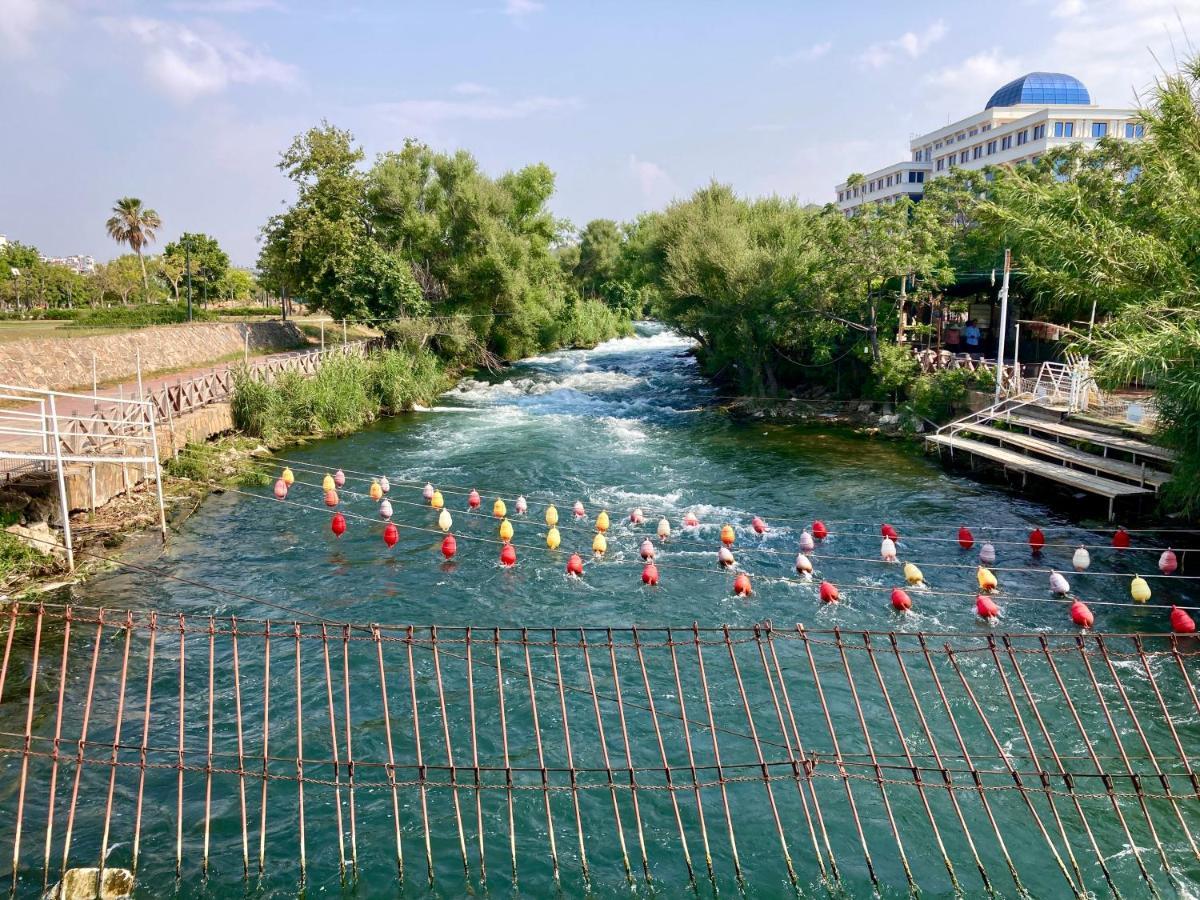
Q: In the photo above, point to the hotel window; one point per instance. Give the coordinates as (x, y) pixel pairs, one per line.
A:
(987, 127)
(973, 132)
(962, 157)
(1039, 132)
(1022, 136)
(1133, 130)
(991, 147)
(1006, 142)
(941, 163)
(1064, 129)
(977, 151)
(1099, 129)
(937, 146)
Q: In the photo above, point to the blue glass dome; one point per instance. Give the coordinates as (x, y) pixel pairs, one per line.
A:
(1041, 87)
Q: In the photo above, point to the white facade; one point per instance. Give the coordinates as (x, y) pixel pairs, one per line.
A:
(999, 135)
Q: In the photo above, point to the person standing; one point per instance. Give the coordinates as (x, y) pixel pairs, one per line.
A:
(971, 337)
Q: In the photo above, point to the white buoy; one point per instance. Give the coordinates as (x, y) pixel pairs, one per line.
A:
(1059, 584)
(1081, 560)
(887, 549)
(987, 555)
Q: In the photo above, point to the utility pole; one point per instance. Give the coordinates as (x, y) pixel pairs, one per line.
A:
(187, 256)
(1003, 324)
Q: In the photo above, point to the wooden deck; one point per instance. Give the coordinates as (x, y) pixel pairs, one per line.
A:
(1139, 474)
(1061, 430)
(1029, 465)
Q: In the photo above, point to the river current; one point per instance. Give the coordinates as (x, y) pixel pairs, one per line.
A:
(631, 423)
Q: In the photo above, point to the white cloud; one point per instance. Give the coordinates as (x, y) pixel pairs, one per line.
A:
(472, 89)
(423, 114)
(910, 44)
(655, 183)
(1067, 9)
(216, 7)
(807, 54)
(186, 63)
(958, 87)
(518, 9)
(20, 20)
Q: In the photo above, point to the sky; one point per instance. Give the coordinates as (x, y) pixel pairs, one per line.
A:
(188, 103)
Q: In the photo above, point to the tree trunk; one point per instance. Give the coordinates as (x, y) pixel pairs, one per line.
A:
(142, 263)
(874, 328)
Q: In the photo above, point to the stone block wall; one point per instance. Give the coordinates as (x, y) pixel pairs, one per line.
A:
(66, 363)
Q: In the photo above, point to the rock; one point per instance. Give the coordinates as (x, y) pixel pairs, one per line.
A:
(864, 407)
(891, 419)
(39, 536)
(80, 884)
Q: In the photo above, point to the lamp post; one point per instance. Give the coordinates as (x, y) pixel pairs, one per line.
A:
(187, 256)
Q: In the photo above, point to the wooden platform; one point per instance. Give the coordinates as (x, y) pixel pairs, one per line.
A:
(1137, 473)
(1061, 430)
(1028, 465)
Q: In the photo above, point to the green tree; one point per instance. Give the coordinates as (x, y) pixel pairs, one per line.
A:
(599, 256)
(134, 225)
(210, 264)
(119, 279)
(238, 284)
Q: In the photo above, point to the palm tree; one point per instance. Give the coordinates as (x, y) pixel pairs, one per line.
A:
(134, 225)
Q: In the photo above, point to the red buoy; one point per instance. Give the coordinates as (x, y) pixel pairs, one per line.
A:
(473, 499)
(986, 607)
(1121, 539)
(889, 532)
(508, 555)
(966, 540)
(449, 546)
(900, 600)
(650, 574)
(759, 526)
(338, 524)
(1181, 622)
(1037, 540)
(1081, 615)
(1168, 562)
(741, 585)
(575, 565)
(829, 593)
(819, 531)
(391, 534)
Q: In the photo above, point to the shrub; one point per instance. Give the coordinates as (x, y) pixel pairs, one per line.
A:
(141, 316)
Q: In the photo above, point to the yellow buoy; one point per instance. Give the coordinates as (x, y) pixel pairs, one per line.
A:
(599, 544)
(987, 581)
(444, 521)
(912, 574)
(602, 521)
(727, 535)
(553, 538)
(1139, 589)
(506, 531)
(551, 515)
(499, 510)
(287, 476)
(376, 491)
(327, 483)
(437, 501)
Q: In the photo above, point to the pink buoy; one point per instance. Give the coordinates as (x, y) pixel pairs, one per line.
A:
(804, 565)
(575, 565)
(690, 520)
(725, 558)
(1059, 584)
(759, 526)
(385, 509)
(1168, 563)
(391, 534)
(806, 542)
(280, 489)
(473, 500)
(650, 574)
(1081, 615)
(384, 484)
(637, 517)
(522, 506)
(987, 555)
(887, 550)
(427, 493)
(829, 593)
(339, 478)
(741, 585)
(579, 510)
(986, 608)
(647, 549)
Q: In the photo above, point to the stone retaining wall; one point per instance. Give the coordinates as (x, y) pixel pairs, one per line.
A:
(66, 363)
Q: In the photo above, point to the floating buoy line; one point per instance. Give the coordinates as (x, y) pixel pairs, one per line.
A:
(828, 592)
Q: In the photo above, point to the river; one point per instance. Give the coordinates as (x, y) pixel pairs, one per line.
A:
(627, 424)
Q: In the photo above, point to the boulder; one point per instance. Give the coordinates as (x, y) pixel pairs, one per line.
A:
(80, 884)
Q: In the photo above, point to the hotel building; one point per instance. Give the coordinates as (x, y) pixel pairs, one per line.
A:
(1022, 120)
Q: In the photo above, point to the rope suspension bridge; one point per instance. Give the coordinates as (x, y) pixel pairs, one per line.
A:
(460, 757)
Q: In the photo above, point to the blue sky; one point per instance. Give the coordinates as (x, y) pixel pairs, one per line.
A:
(187, 103)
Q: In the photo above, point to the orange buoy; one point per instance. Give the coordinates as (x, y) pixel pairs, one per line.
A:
(986, 608)
(280, 489)
(1037, 540)
(741, 585)
(473, 500)
(690, 520)
(391, 534)
(1121, 538)
(1181, 622)
(889, 532)
(1168, 563)
(759, 526)
(966, 540)
(650, 574)
(575, 565)
(339, 478)
(900, 600)
(829, 593)
(578, 510)
(499, 510)
(987, 581)
(725, 558)
(727, 535)
(806, 542)
(508, 555)
(602, 522)
(819, 531)
(1081, 615)
(427, 492)
(637, 517)
(331, 498)
(804, 565)
(449, 546)
(338, 524)
(647, 550)
(376, 492)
